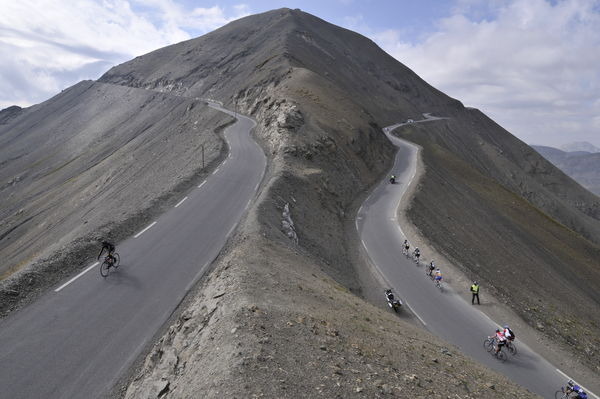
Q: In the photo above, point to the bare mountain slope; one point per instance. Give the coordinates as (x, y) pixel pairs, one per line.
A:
(84, 165)
(320, 95)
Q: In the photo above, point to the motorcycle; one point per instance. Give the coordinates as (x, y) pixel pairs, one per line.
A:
(393, 303)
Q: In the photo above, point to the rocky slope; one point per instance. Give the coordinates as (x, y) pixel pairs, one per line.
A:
(581, 166)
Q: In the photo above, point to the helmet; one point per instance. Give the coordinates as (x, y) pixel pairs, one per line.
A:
(506, 326)
(497, 330)
(475, 282)
(570, 383)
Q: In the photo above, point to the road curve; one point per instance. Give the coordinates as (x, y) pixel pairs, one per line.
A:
(445, 314)
(76, 341)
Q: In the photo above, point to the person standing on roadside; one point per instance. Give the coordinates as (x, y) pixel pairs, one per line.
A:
(475, 291)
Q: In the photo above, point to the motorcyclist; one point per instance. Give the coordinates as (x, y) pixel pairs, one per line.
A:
(393, 179)
(389, 295)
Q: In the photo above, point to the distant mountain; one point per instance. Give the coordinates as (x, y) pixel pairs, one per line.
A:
(582, 166)
(578, 146)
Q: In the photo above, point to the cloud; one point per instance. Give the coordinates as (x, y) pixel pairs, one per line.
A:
(532, 65)
(45, 48)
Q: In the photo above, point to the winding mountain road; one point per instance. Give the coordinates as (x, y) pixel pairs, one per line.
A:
(444, 313)
(76, 341)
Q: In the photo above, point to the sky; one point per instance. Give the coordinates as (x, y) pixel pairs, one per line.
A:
(531, 65)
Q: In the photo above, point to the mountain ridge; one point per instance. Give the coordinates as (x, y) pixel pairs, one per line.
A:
(319, 120)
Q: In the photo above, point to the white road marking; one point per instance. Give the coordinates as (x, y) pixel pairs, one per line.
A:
(248, 204)
(143, 231)
(231, 230)
(181, 202)
(216, 170)
(401, 232)
(256, 188)
(201, 184)
(229, 156)
(76, 277)
(415, 313)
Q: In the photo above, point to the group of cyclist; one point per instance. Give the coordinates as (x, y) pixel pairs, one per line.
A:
(503, 337)
(432, 271)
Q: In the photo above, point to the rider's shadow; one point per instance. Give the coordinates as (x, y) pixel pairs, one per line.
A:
(123, 277)
(524, 359)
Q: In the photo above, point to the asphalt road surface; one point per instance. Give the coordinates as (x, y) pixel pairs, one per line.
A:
(77, 340)
(445, 313)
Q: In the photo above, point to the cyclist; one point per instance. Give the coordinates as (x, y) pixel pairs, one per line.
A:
(110, 249)
(508, 333)
(393, 179)
(572, 387)
(406, 246)
(430, 269)
(437, 276)
(500, 340)
(417, 253)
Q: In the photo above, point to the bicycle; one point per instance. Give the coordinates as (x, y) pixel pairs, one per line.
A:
(438, 284)
(416, 257)
(405, 252)
(112, 260)
(511, 347)
(563, 393)
(490, 345)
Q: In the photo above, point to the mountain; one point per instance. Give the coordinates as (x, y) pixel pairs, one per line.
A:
(336, 89)
(579, 146)
(320, 95)
(582, 166)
